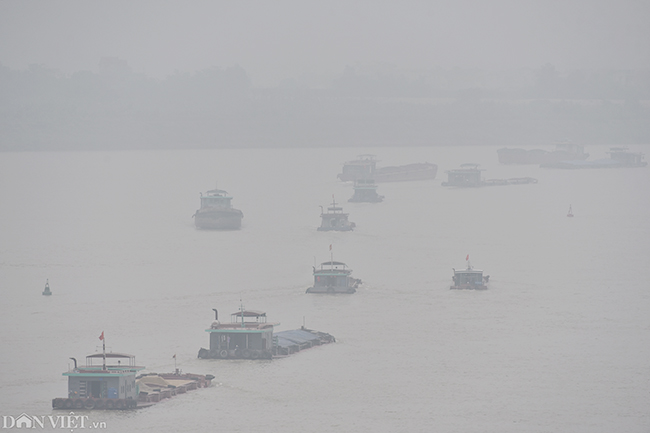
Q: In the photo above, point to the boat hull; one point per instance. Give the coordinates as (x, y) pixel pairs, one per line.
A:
(469, 287)
(214, 219)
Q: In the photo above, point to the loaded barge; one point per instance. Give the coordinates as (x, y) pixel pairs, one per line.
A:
(250, 336)
(619, 157)
(217, 213)
(100, 386)
(565, 150)
(469, 175)
(365, 166)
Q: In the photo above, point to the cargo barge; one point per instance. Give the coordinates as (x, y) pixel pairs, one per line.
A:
(365, 167)
(619, 157)
(250, 336)
(335, 219)
(565, 150)
(217, 213)
(100, 386)
(469, 175)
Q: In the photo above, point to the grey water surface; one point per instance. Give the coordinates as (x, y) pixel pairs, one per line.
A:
(559, 342)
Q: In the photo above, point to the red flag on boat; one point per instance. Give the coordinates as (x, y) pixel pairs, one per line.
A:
(101, 337)
(467, 258)
(174, 356)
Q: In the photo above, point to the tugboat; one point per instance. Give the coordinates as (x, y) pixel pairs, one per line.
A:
(335, 219)
(365, 167)
(365, 191)
(250, 336)
(217, 213)
(47, 291)
(333, 277)
(469, 278)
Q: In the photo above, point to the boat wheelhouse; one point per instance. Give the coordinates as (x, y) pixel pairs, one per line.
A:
(333, 277)
(247, 336)
(467, 175)
(335, 219)
(365, 191)
(99, 385)
(361, 168)
(217, 213)
(470, 278)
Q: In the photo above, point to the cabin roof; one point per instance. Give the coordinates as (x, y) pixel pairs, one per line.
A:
(333, 263)
(111, 355)
(249, 313)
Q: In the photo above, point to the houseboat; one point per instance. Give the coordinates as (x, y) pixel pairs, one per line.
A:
(619, 157)
(333, 277)
(365, 167)
(365, 191)
(217, 213)
(565, 150)
(250, 336)
(469, 175)
(469, 278)
(335, 219)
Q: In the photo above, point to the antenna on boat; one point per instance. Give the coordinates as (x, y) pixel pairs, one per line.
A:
(241, 309)
(331, 257)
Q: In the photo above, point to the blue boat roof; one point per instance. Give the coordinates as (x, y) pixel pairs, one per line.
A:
(296, 336)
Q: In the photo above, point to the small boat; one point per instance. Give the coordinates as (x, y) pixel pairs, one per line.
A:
(365, 191)
(335, 219)
(250, 336)
(217, 213)
(47, 291)
(570, 214)
(365, 166)
(469, 278)
(565, 150)
(333, 277)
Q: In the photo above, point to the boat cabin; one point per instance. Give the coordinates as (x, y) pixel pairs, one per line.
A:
(362, 167)
(100, 380)
(365, 191)
(248, 335)
(335, 219)
(216, 198)
(625, 157)
(469, 278)
(333, 277)
(467, 175)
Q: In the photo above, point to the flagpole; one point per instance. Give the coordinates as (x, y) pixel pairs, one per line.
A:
(103, 352)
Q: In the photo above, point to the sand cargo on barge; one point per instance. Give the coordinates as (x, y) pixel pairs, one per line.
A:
(365, 167)
(250, 336)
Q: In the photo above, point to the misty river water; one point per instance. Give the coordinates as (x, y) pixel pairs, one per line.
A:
(559, 342)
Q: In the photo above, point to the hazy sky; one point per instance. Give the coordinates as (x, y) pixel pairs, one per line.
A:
(278, 39)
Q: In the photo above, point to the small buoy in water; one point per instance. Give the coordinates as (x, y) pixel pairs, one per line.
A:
(570, 214)
(47, 291)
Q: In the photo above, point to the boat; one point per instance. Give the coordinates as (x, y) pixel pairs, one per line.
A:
(47, 291)
(102, 386)
(565, 150)
(335, 219)
(619, 157)
(469, 175)
(570, 214)
(333, 277)
(365, 191)
(217, 213)
(365, 166)
(250, 336)
(469, 278)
